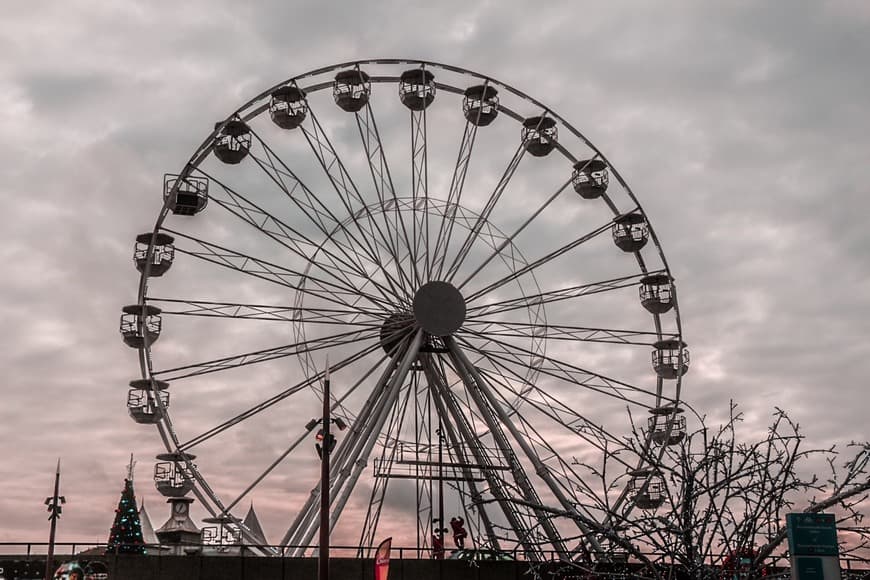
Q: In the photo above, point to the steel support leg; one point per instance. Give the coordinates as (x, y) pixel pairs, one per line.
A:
(438, 386)
(490, 410)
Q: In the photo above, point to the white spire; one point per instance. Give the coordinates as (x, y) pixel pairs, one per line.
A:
(148, 534)
(252, 522)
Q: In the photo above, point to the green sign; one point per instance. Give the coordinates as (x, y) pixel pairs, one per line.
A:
(812, 534)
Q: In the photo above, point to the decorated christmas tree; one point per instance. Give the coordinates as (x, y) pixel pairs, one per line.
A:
(126, 534)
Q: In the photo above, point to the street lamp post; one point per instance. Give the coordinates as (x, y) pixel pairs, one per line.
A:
(324, 483)
(441, 527)
(55, 508)
(324, 449)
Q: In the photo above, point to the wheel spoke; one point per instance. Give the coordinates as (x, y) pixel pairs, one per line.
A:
(344, 488)
(315, 209)
(437, 383)
(506, 329)
(382, 180)
(483, 218)
(510, 239)
(254, 215)
(449, 408)
(347, 192)
(539, 262)
(551, 296)
(550, 406)
(274, 273)
(454, 196)
(352, 456)
(265, 355)
(357, 430)
(382, 470)
(344, 317)
(562, 475)
(337, 405)
(419, 196)
(275, 399)
(571, 373)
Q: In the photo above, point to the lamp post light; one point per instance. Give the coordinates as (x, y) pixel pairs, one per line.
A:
(55, 508)
(325, 444)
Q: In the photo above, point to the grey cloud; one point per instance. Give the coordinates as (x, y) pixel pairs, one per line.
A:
(740, 128)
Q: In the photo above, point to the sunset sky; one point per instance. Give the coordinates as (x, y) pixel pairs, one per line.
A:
(742, 128)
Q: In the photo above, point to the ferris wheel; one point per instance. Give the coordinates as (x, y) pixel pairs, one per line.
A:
(487, 290)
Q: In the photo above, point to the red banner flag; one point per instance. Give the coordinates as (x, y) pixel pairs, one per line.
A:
(382, 560)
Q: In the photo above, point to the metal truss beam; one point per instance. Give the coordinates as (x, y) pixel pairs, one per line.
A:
(372, 237)
(384, 188)
(503, 496)
(438, 387)
(550, 296)
(539, 262)
(485, 213)
(454, 198)
(495, 417)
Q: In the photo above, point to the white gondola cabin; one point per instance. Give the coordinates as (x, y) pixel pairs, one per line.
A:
(233, 142)
(646, 488)
(141, 402)
(143, 406)
(590, 178)
(656, 293)
(539, 135)
(172, 477)
(351, 90)
(630, 232)
(480, 105)
(185, 196)
(288, 107)
(139, 322)
(667, 425)
(161, 258)
(417, 88)
(670, 358)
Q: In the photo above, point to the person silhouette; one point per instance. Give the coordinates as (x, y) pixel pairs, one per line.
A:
(437, 547)
(459, 533)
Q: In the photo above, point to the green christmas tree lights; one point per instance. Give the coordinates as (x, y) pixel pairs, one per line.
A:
(125, 536)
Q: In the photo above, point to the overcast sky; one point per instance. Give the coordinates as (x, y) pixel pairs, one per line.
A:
(741, 127)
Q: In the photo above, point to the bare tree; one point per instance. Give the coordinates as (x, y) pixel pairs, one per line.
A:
(725, 500)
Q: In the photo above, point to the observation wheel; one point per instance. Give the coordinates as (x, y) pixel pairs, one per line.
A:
(487, 290)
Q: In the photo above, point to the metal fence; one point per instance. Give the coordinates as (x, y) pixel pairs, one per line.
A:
(70, 549)
(26, 560)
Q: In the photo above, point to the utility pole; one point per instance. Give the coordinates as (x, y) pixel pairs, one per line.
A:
(324, 483)
(55, 508)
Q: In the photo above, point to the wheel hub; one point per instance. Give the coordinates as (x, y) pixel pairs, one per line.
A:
(439, 308)
(395, 329)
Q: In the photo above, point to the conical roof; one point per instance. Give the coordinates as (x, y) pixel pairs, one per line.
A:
(147, 529)
(252, 523)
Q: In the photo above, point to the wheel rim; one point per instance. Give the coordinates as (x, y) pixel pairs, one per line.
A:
(489, 330)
